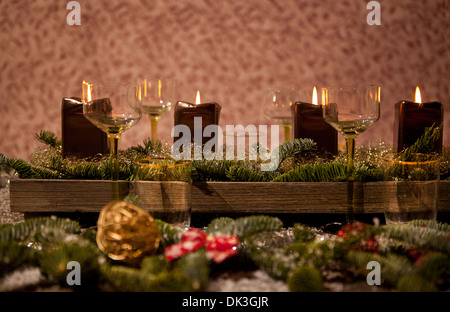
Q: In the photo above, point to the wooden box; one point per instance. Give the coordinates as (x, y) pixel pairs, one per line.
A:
(29, 195)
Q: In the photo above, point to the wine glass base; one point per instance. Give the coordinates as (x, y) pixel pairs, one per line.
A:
(332, 228)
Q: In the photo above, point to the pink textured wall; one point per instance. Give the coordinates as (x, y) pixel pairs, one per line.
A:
(230, 50)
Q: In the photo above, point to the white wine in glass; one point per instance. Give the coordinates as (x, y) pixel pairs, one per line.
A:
(158, 98)
(113, 108)
(277, 108)
(351, 111)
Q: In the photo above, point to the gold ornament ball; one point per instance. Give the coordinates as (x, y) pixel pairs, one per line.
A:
(126, 232)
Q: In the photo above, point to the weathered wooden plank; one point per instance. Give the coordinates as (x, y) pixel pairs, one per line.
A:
(269, 197)
(29, 195)
(208, 197)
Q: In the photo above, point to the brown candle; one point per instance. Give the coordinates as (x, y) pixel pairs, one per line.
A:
(309, 123)
(79, 136)
(184, 114)
(411, 119)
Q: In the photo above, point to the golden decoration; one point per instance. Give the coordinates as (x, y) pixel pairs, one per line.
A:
(126, 232)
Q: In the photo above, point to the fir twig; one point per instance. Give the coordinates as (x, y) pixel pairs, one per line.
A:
(49, 138)
(25, 170)
(326, 172)
(426, 143)
(244, 225)
(293, 147)
(422, 237)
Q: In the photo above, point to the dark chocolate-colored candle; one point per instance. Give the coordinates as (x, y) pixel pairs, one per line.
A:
(309, 123)
(79, 136)
(411, 119)
(184, 114)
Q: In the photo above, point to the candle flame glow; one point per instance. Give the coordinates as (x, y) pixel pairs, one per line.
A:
(145, 86)
(197, 98)
(324, 97)
(418, 97)
(315, 101)
(139, 93)
(88, 96)
(159, 91)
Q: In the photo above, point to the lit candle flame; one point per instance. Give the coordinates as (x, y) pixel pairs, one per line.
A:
(315, 101)
(418, 97)
(197, 98)
(87, 97)
(159, 91)
(145, 86)
(139, 93)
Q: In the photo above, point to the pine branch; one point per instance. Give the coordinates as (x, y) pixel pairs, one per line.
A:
(14, 255)
(211, 170)
(254, 224)
(53, 262)
(275, 262)
(321, 172)
(434, 267)
(41, 229)
(27, 171)
(168, 233)
(246, 173)
(268, 255)
(293, 147)
(302, 233)
(221, 226)
(131, 279)
(244, 225)
(431, 224)
(84, 170)
(155, 264)
(148, 149)
(196, 267)
(426, 143)
(368, 172)
(393, 267)
(49, 138)
(305, 279)
(421, 237)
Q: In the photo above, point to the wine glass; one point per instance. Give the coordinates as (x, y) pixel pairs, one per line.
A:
(351, 111)
(113, 108)
(158, 97)
(277, 108)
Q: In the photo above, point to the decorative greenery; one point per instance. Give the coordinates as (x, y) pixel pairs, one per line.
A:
(305, 279)
(49, 138)
(299, 161)
(417, 251)
(426, 143)
(412, 257)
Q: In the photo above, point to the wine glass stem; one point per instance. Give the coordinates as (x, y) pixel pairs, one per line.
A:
(287, 132)
(114, 147)
(154, 127)
(350, 143)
